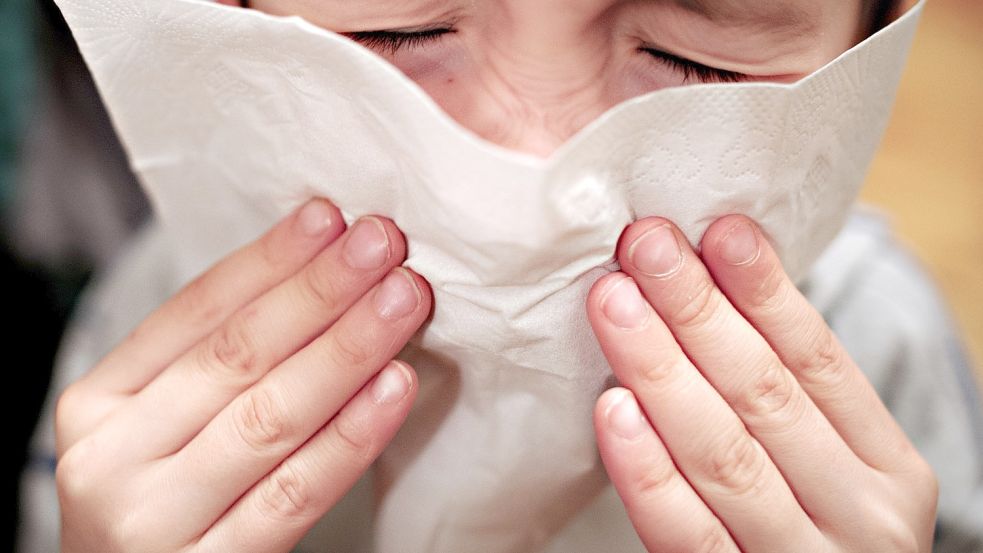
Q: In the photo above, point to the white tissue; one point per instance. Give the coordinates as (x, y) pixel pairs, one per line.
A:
(232, 118)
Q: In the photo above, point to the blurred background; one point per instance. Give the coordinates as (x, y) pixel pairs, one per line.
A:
(68, 201)
(929, 173)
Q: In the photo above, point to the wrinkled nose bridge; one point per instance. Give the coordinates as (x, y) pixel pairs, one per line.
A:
(530, 75)
(533, 113)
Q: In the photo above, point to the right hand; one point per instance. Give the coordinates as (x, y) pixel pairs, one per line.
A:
(246, 406)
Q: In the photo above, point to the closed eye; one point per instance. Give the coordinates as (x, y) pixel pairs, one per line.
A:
(691, 69)
(392, 41)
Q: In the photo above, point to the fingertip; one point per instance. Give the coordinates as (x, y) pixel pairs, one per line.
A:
(407, 371)
(601, 407)
(619, 414)
(601, 288)
(635, 230)
(608, 399)
(423, 288)
(733, 240)
(397, 240)
(617, 302)
(395, 383)
(319, 217)
(742, 260)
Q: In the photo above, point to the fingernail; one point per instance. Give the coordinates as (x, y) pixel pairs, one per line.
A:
(315, 217)
(397, 296)
(656, 253)
(392, 384)
(740, 246)
(368, 245)
(624, 416)
(624, 305)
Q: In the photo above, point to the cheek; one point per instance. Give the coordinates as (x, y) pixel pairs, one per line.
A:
(434, 64)
(639, 75)
(446, 74)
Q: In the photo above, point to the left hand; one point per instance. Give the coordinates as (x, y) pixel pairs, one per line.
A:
(757, 432)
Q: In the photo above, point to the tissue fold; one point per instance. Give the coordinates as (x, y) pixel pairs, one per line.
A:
(231, 118)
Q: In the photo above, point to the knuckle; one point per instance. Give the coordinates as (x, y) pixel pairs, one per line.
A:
(773, 292)
(890, 531)
(70, 406)
(354, 439)
(284, 495)
(823, 364)
(713, 541)
(698, 307)
(350, 350)
(773, 396)
(738, 466)
(655, 480)
(929, 483)
(127, 533)
(320, 286)
(903, 540)
(924, 479)
(231, 352)
(661, 369)
(81, 472)
(72, 475)
(259, 420)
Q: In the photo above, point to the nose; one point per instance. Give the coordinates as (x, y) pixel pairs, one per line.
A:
(527, 89)
(529, 106)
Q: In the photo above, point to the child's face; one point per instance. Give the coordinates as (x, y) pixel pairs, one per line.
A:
(529, 74)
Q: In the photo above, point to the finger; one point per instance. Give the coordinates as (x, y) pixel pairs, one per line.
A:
(270, 420)
(202, 305)
(741, 366)
(257, 338)
(279, 510)
(193, 313)
(710, 445)
(667, 514)
(749, 272)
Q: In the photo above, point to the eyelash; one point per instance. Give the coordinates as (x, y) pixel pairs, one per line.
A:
(393, 41)
(690, 69)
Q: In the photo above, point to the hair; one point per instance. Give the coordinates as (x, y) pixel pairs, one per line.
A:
(876, 14)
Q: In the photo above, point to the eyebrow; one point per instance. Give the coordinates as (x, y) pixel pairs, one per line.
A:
(744, 13)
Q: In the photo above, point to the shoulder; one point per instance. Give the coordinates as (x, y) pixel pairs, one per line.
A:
(888, 313)
(867, 260)
(878, 298)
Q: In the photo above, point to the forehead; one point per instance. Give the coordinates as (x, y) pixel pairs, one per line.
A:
(779, 13)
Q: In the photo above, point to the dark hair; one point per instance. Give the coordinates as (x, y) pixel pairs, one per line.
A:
(876, 14)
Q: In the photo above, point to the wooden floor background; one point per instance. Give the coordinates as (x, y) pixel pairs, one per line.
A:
(929, 173)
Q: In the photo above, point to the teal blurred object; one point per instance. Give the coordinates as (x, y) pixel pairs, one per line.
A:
(18, 64)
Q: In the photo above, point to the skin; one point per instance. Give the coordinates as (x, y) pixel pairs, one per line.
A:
(742, 424)
(528, 75)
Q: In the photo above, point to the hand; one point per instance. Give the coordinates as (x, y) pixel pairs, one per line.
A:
(240, 411)
(759, 434)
